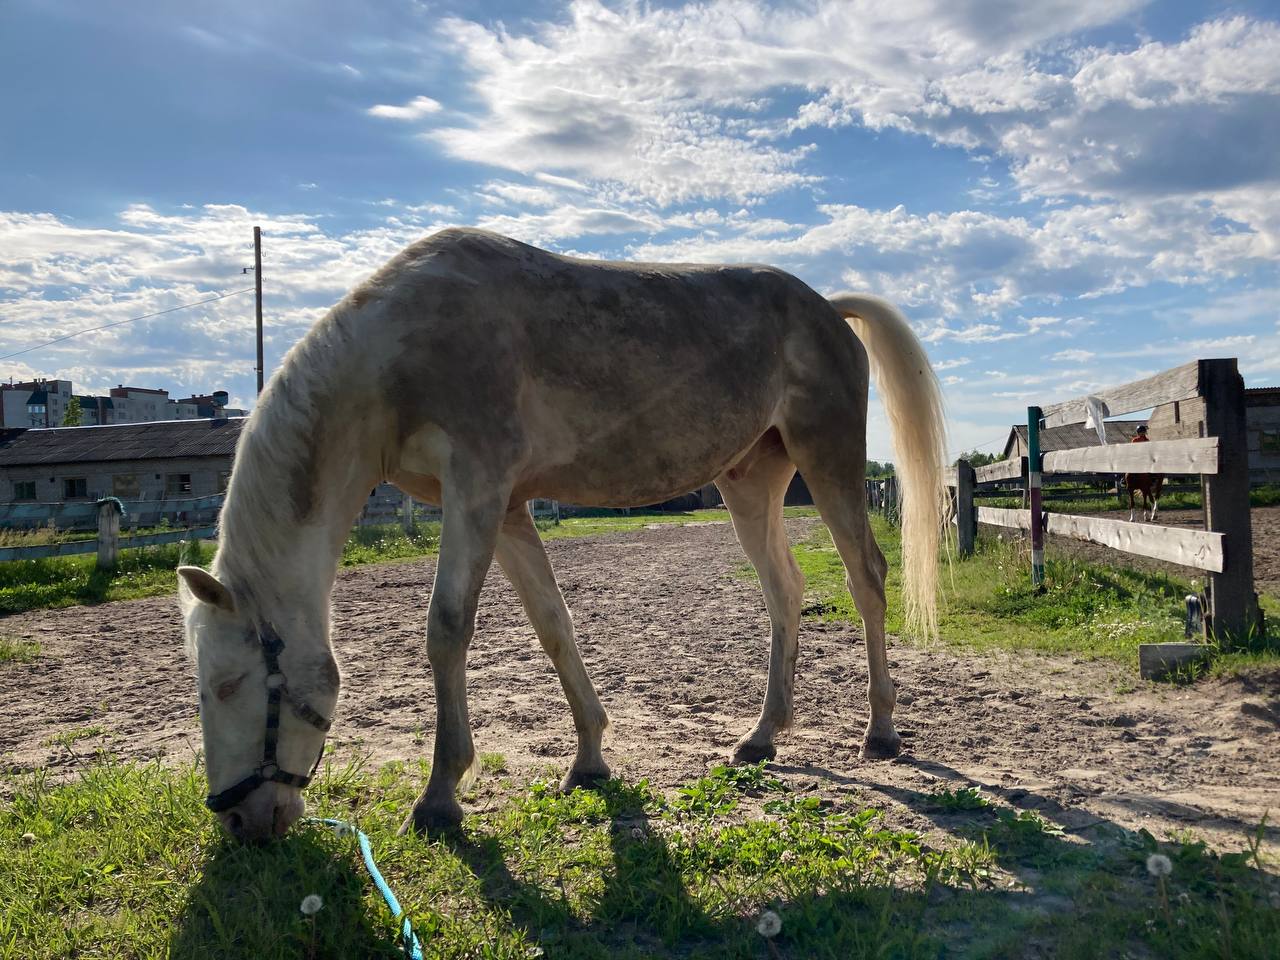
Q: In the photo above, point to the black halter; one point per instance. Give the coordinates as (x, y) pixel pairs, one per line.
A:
(269, 770)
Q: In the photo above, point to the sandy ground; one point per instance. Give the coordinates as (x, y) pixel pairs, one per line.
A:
(677, 642)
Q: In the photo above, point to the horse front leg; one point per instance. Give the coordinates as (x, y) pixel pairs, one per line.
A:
(472, 518)
(524, 560)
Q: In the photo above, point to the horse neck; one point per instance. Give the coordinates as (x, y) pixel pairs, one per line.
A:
(299, 482)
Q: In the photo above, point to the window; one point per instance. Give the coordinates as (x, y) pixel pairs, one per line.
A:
(177, 484)
(126, 486)
(74, 488)
(24, 489)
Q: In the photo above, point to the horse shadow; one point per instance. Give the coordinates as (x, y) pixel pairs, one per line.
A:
(642, 904)
(247, 902)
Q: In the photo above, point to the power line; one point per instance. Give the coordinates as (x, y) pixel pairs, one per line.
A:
(117, 323)
(979, 446)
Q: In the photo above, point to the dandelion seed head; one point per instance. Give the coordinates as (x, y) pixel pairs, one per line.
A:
(1158, 865)
(769, 924)
(311, 904)
(637, 833)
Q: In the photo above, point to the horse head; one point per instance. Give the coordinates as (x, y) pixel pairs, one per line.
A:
(263, 711)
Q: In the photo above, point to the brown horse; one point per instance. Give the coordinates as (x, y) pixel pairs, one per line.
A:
(1148, 484)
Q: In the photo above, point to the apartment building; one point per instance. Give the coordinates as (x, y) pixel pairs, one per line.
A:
(43, 403)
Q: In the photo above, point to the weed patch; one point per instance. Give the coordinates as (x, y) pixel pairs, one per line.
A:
(18, 651)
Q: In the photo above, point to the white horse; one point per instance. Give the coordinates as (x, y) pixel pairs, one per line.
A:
(477, 373)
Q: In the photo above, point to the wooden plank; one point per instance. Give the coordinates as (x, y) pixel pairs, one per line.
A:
(1188, 547)
(948, 476)
(1233, 606)
(72, 547)
(1012, 469)
(1180, 383)
(1157, 456)
(49, 550)
(1004, 517)
(966, 522)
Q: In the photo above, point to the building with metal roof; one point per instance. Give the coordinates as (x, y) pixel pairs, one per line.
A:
(173, 461)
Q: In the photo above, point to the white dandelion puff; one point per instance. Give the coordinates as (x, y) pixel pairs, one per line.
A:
(637, 833)
(28, 838)
(311, 904)
(1158, 865)
(769, 925)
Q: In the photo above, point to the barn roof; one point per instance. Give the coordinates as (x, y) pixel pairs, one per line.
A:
(1072, 435)
(161, 440)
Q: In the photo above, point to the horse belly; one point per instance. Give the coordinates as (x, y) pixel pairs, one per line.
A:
(645, 460)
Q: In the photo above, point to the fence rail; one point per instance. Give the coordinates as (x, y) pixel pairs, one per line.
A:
(73, 547)
(1224, 550)
(1198, 455)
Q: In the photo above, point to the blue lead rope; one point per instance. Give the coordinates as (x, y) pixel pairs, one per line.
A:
(409, 939)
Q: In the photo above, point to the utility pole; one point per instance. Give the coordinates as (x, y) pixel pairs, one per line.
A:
(257, 285)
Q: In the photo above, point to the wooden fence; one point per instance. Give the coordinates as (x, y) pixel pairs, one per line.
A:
(1223, 550)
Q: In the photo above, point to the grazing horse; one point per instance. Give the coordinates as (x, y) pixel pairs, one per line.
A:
(477, 373)
(1148, 484)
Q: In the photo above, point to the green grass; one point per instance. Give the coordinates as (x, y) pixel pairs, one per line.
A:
(68, 581)
(989, 604)
(125, 862)
(18, 651)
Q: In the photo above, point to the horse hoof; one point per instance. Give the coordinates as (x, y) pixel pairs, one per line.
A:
(433, 821)
(881, 748)
(586, 779)
(747, 752)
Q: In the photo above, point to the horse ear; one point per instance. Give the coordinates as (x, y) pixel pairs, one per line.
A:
(206, 588)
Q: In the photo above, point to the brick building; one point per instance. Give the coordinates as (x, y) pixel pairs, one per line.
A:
(43, 403)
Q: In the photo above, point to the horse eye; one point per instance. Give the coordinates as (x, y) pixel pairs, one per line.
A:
(230, 687)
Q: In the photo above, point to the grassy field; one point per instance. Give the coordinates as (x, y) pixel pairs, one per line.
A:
(125, 862)
(988, 602)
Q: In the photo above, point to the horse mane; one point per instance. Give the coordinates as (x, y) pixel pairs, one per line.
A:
(275, 472)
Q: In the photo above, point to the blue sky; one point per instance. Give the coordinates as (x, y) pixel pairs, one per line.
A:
(1060, 194)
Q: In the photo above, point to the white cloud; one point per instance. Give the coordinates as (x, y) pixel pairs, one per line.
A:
(415, 109)
(666, 103)
(1074, 356)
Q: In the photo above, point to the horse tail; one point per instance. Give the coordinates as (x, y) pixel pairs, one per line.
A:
(913, 401)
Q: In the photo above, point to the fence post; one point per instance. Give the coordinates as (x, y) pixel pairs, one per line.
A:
(108, 533)
(966, 516)
(1033, 490)
(1233, 606)
(406, 512)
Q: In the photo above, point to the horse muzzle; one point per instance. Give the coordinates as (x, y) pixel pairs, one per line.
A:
(269, 811)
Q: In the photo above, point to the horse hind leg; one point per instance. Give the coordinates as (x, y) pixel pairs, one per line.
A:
(524, 560)
(833, 464)
(754, 496)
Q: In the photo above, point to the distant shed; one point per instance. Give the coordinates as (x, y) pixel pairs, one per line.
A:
(164, 460)
(1183, 419)
(1068, 437)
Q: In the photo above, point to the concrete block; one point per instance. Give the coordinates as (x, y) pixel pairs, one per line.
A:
(1156, 660)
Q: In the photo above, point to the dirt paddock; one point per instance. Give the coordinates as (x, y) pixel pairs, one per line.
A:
(676, 640)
